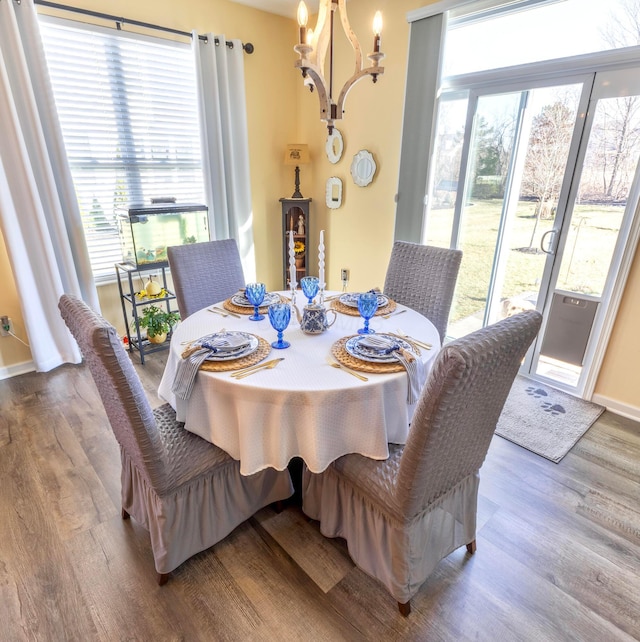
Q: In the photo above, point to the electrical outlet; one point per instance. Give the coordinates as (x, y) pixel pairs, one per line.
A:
(6, 326)
(344, 277)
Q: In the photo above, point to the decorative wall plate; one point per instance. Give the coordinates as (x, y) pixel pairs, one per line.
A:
(334, 192)
(334, 146)
(363, 168)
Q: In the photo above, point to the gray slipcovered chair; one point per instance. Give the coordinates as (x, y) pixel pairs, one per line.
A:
(204, 273)
(188, 493)
(401, 516)
(423, 278)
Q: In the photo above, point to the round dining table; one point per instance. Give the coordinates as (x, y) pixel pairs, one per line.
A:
(304, 407)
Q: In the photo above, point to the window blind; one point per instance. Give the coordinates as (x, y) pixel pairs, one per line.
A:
(128, 110)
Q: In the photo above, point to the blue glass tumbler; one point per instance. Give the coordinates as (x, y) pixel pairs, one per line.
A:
(279, 317)
(255, 295)
(367, 306)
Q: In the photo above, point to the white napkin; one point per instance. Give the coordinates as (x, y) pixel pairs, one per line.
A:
(211, 344)
(186, 372)
(415, 376)
(414, 367)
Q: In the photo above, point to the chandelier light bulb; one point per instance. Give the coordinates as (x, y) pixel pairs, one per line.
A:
(377, 31)
(377, 22)
(303, 17)
(303, 14)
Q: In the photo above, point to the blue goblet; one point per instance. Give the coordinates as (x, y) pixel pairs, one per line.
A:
(367, 306)
(279, 316)
(310, 285)
(255, 295)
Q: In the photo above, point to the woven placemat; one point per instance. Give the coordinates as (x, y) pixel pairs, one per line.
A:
(262, 351)
(339, 352)
(240, 309)
(338, 306)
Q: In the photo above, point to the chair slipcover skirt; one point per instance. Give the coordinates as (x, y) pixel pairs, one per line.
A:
(400, 555)
(215, 504)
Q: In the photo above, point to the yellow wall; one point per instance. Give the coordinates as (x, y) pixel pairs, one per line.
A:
(358, 235)
(12, 352)
(618, 379)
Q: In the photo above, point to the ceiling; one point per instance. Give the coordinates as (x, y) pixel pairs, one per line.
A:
(287, 8)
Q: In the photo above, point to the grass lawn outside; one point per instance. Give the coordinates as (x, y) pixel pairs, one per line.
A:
(585, 264)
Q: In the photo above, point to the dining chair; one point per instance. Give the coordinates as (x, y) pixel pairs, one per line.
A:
(204, 273)
(423, 278)
(188, 493)
(401, 516)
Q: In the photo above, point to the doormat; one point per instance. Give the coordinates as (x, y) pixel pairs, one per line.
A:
(544, 420)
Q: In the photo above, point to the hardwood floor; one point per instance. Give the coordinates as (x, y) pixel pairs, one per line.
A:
(558, 546)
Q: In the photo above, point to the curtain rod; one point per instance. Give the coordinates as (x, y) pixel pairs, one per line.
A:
(247, 47)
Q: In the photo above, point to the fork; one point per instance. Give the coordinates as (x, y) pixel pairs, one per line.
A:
(393, 314)
(335, 364)
(245, 372)
(217, 311)
(224, 313)
(422, 344)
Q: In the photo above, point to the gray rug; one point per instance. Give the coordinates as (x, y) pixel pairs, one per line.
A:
(544, 420)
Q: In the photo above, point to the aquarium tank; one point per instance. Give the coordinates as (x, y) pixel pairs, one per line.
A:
(147, 230)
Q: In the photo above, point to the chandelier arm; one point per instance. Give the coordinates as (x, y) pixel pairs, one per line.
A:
(313, 52)
(321, 35)
(316, 76)
(369, 71)
(351, 36)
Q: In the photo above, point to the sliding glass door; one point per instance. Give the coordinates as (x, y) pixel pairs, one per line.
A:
(533, 184)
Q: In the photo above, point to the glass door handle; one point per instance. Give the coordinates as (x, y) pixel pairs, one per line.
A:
(550, 249)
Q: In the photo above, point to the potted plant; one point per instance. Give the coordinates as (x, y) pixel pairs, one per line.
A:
(158, 323)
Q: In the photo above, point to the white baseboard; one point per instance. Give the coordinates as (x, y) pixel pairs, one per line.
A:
(17, 369)
(617, 407)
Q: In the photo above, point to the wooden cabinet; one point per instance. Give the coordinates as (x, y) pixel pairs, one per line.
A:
(295, 218)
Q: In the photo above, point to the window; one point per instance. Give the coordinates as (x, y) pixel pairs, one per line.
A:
(128, 109)
(526, 31)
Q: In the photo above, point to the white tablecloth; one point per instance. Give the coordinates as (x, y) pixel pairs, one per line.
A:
(303, 407)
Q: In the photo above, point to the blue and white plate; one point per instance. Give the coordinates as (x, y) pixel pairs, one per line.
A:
(230, 345)
(357, 347)
(242, 301)
(351, 299)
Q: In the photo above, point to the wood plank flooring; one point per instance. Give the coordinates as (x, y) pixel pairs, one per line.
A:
(558, 546)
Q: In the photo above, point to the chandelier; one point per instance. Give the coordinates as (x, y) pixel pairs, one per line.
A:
(313, 46)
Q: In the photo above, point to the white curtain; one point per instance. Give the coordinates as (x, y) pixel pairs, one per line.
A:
(225, 143)
(39, 215)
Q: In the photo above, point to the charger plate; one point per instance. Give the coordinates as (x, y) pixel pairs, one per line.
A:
(338, 306)
(239, 309)
(262, 351)
(340, 353)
